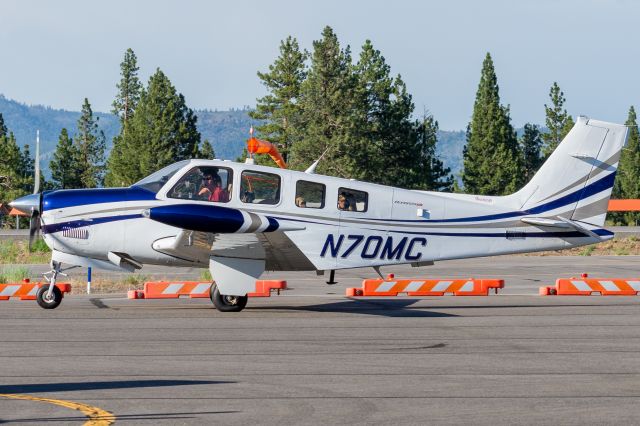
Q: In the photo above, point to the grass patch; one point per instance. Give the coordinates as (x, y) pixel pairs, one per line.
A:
(205, 275)
(13, 274)
(17, 251)
(135, 280)
(587, 251)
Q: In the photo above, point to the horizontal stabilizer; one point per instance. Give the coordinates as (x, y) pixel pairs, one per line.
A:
(560, 222)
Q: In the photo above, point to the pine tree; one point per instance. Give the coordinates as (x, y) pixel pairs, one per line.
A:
(64, 165)
(491, 156)
(435, 176)
(325, 101)
(627, 184)
(90, 143)
(558, 121)
(127, 98)
(162, 130)
(11, 164)
(530, 146)
(279, 110)
(206, 151)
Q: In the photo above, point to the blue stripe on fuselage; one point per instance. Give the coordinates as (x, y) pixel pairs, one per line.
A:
(57, 227)
(80, 197)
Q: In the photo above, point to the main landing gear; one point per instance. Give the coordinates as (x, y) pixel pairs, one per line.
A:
(226, 303)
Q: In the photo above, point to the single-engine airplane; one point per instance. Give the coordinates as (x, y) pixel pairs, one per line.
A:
(242, 219)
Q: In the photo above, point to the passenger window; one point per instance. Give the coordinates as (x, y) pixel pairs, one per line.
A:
(310, 195)
(204, 183)
(260, 188)
(352, 200)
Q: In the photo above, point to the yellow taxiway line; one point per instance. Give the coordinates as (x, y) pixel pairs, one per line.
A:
(96, 416)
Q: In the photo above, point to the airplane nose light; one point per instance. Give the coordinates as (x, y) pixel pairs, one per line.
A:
(27, 204)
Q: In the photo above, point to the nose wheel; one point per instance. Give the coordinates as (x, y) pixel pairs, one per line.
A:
(48, 300)
(226, 303)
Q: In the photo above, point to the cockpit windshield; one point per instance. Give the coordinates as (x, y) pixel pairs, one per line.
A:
(154, 182)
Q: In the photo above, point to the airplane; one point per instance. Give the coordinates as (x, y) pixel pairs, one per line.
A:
(240, 219)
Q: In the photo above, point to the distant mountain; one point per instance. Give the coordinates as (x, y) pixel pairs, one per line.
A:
(226, 130)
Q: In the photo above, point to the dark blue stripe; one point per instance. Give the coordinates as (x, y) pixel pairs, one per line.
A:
(81, 197)
(198, 217)
(589, 190)
(57, 227)
(273, 225)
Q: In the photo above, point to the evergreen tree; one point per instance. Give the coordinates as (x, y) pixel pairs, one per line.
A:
(325, 101)
(10, 168)
(127, 98)
(90, 143)
(491, 156)
(64, 165)
(627, 184)
(435, 176)
(162, 130)
(129, 87)
(558, 121)
(279, 110)
(530, 146)
(3, 127)
(206, 151)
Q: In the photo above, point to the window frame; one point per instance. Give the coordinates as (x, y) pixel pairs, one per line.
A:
(366, 200)
(324, 194)
(262, 173)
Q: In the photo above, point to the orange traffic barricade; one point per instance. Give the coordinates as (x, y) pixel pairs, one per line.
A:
(27, 290)
(585, 286)
(422, 287)
(194, 289)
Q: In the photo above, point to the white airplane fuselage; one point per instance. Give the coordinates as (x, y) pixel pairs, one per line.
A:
(167, 222)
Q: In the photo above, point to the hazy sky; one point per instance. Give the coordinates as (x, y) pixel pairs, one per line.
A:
(58, 52)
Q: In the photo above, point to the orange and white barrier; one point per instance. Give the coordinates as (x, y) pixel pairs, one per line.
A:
(27, 290)
(194, 289)
(585, 286)
(419, 287)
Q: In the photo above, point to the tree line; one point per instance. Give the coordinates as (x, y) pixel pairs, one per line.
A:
(323, 103)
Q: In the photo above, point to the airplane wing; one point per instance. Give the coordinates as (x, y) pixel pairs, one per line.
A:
(275, 248)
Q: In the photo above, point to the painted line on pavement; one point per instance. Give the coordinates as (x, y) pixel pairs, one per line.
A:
(96, 416)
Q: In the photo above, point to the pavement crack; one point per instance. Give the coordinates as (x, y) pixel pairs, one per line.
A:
(100, 304)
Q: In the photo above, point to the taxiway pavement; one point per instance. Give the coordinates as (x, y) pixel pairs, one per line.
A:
(312, 356)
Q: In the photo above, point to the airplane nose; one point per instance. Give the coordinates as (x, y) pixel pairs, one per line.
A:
(27, 204)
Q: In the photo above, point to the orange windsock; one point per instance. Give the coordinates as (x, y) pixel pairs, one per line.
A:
(259, 146)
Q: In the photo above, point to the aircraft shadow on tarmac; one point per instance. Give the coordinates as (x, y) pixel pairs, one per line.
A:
(385, 308)
(115, 384)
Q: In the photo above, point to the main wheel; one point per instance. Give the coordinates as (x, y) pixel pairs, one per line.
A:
(226, 303)
(48, 302)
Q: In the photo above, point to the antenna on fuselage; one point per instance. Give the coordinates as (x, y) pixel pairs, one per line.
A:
(312, 168)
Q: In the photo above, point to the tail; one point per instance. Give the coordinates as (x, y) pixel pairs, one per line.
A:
(575, 183)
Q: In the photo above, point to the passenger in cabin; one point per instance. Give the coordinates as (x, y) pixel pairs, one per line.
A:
(300, 202)
(343, 203)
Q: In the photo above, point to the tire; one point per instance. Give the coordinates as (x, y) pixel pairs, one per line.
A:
(226, 303)
(41, 297)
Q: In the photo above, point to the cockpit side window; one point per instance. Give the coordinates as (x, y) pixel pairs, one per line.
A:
(259, 187)
(204, 183)
(352, 200)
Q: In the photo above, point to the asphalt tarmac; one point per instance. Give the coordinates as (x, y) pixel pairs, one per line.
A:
(312, 356)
